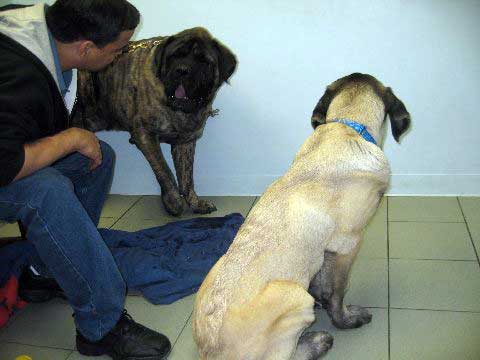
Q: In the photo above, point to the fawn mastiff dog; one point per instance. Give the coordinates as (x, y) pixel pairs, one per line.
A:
(160, 90)
(298, 243)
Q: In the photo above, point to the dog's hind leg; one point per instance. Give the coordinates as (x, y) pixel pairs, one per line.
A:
(269, 327)
(329, 287)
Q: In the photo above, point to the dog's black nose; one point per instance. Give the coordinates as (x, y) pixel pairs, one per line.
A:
(182, 70)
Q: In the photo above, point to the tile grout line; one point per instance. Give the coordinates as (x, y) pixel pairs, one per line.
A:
(469, 232)
(253, 203)
(181, 331)
(445, 260)
(10, 321)
(388, 283)
(437, 310)
(126, 211)
(427, 221)
(37, 346)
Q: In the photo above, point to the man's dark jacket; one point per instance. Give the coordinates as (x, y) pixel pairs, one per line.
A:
(31, 106)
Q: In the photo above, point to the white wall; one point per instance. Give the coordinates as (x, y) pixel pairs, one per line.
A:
(289, 51)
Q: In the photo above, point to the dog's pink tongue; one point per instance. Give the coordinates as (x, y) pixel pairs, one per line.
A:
(180, 92)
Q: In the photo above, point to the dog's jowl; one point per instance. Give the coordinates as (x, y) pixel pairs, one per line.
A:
(160, 90)
(299, 241)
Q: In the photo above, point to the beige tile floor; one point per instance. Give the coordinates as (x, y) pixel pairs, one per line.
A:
(418, 272)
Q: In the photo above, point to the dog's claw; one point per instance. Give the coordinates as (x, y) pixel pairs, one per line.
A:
(204, 207)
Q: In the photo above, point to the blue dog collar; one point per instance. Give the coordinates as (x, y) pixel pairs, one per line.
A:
(359, 128)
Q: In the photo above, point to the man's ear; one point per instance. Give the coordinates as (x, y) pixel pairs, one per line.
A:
(320, 112)
(396, 110)
(84, 47)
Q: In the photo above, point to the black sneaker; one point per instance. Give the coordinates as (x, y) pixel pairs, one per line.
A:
(128, 340)
(36, 288)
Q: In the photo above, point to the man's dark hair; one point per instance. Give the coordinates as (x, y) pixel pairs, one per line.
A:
(100, 21)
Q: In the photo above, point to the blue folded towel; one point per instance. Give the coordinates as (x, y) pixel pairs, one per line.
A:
(166, 263)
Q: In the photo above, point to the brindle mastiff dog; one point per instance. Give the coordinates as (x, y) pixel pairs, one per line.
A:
(160, 90)
(298, 243)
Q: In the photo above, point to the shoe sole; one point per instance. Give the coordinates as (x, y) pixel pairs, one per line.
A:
(94, 350)
(119, 357)
(39, 296)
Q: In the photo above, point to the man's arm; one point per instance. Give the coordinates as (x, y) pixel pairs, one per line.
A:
(45, 151)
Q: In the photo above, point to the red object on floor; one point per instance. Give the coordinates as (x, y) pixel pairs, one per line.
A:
(9, 300)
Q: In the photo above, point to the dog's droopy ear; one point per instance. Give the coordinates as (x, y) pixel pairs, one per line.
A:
(161, 55)
(399, 116)
(227, 62)
(320, 112)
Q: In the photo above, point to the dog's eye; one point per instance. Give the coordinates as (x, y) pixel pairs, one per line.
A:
(183, 51)
(200, 57)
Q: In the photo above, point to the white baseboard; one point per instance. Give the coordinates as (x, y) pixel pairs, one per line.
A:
(435, 184)
(400, 185)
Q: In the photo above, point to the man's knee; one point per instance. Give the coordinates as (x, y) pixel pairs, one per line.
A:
(49, 181)
(108, 154)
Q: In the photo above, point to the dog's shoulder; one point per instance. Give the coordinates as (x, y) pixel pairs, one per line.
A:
(334, 152)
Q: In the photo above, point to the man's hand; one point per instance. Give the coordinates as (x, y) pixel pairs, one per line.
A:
(44, 152)
(88, 145)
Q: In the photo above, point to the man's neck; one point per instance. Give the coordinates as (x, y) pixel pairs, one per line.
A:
(67, 55)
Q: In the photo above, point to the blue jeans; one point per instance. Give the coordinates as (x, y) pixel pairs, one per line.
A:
(60, 207)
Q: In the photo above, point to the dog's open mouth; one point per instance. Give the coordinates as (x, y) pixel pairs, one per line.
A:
(181, 100)
(180, 92)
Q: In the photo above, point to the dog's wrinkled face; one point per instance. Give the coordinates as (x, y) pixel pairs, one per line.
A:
(192, 66)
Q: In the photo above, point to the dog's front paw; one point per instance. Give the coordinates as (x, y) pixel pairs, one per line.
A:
(173, 203)
(198, 205)
(352, 317)
(203, 207)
